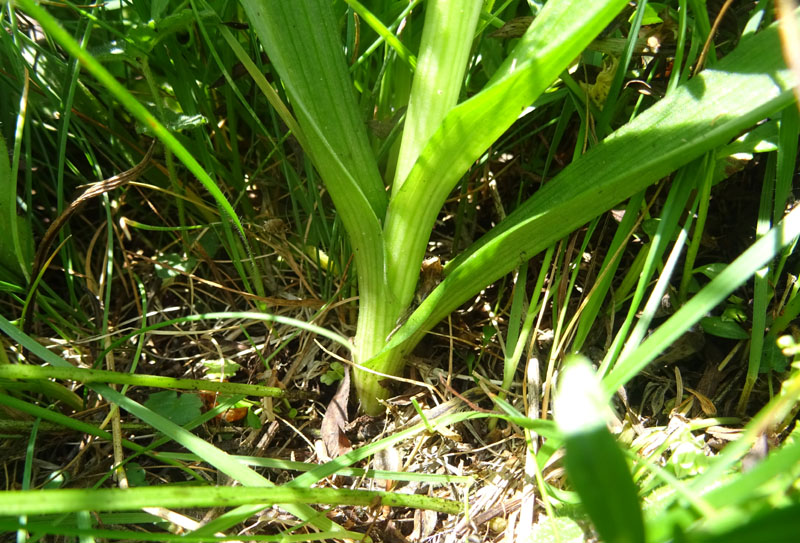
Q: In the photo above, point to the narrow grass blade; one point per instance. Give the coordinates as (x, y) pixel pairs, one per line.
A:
(88, 429)
(15, 253)
(733, 500)
(781, 463)
(387, 35)
(761, 295)
(19, 371)
(140, 113)
(265, 317)
(608, 268)
(278, 463)
(211, 454)
(116, 499)
(682, 186)
(39, 528)
(307, 479)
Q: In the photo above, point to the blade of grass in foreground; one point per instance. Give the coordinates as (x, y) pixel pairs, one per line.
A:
(89, 430)
(595, 464)
(81, 375)
(38, 502)
(543, 427)
(38, 528)
(211, 454)
(749, 84)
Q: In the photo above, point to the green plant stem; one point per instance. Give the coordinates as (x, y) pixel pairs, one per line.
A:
(703, 200)
(115, 499)
(446, 42)
(760, 287)
(463, 135)
(92, 534)
(19, 371)
(385, 33)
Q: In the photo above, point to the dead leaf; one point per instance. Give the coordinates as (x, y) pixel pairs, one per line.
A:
(425, 524)
(335, 420)
(706, 404)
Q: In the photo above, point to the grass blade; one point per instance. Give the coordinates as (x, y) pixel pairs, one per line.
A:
(20, 371)
(141, 114)
(595, 464)
(116, 499)
(211, 454)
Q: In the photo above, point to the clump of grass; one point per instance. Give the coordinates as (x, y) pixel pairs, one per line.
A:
(390, 134)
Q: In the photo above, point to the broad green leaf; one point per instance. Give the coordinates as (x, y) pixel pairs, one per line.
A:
(180, 409)
(302, 41)
(717, 326)
(444, 52)
(772, 357)
(749, 84)
(557, 36)
(770, 525)
(711, 270)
